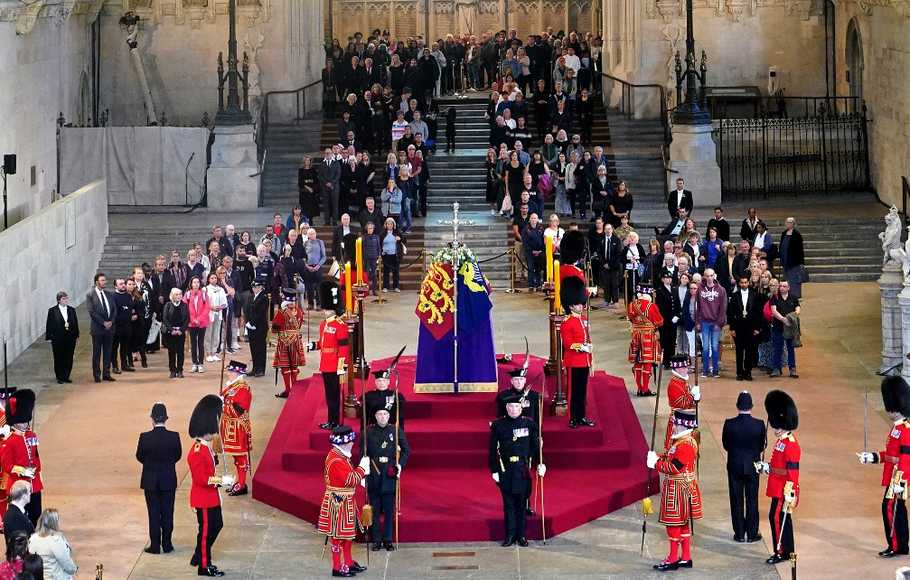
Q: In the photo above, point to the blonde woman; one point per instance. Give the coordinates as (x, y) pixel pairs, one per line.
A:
(217, 300)
(50, 543)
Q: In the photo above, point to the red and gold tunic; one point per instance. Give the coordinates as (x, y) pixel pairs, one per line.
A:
(338, 513)
(784, 466)
(236, 430)
(896, 452)
(575, 334)
(679, 397)
(204, 488)
(20, 452)
(645, 318)
(680, 499)
(289, 351)
(334, 344)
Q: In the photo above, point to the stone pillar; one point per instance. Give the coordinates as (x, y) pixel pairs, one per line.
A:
(233, 180)
(693, 155)
(904, 300)
(890, 285)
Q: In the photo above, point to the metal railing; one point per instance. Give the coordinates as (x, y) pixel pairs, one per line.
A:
(723, 106)
(300, 107)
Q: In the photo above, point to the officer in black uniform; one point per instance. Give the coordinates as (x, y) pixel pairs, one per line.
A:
(514, 447)
(384, 473)
(530, 400)
(383, 398)
(257, 325)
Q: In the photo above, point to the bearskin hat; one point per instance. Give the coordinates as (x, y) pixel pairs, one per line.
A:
(572, 247)
(781, 410)
(330, 296)
(19, 406)
(572, 292)
(206, 417)
(350, 248)
(896, 395)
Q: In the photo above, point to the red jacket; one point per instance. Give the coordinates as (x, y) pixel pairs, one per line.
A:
(21, 449)
(575, 333)
(201, 460)
(784, 466)
(896, 452)
(566, 270)
(198, 304)
(333, 342)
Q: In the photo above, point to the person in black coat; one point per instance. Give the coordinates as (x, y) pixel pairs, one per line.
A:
(121, 349)
(679, 198)
(158, 451)
(308, 190)
(257, 325)
(744, 439)
(101, 311)
(745, 319)
(384, 474)
(667, 299)
(62, 330)
(174, 322)
(15, 518)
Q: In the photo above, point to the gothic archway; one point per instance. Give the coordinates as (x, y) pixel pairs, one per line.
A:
(855, 62)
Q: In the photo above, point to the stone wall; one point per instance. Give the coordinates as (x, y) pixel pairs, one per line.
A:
(45, 72)
(883, 31)
(57, 248)
(179, 41)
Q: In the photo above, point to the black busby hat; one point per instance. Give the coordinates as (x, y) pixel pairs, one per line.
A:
(781, 409)
(572, 247)
(896, 395)
(159, 412)
(19, 406)
(383, 374)
(330, 296)
(511, 397)
(235, 366)
(206, 416)
(679, 361)
(342, 434)
(744, 401)
(519, 372)
(572, 292)
(350, 247)
(685, 418)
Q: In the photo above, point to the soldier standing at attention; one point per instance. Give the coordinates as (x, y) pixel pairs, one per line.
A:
(333, 342)
(236, 429)
(382, 481)
(529, 399)
(289, 352)
(680, 395)
(514, 447)
(383, 398)
(576, 349)
(644, 347)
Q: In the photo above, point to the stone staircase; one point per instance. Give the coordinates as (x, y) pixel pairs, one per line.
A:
(286, 145)
(636, 159)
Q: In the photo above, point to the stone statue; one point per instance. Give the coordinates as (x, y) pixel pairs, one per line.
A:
(465, 12)
(902, 256)
(891, 237)
(672, 34)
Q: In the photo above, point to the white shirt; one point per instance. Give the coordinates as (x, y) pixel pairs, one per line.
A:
(744, 295)
(217, 299)
(573, 62)
(679, 196)
(760, 240)
(64, 312)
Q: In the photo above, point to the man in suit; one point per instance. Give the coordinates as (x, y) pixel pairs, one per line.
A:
(744, 439)
(158, 297)
(62, 330)
(741, 260)
(329, 175)
(339, 232)
(101, 311)
(673, 228)
(257, 325)
(158, 451)
(745, 319)
(15, 518)
(679, 198)
(747, 229)
(667, 300)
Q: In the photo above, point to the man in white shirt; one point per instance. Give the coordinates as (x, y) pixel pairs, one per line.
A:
(572, 60)
(62, 330)
(744, 318)
(679, 198)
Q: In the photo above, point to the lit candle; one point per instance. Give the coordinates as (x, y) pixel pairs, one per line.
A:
(348, 291)
(557, 303)
(548, 242)
(358, 255)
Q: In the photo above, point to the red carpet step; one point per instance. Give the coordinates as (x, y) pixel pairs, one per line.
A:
(447, 492)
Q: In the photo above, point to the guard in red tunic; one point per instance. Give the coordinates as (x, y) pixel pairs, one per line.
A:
(895, 460)
(4, 435)
(338, 514)
(204, 496)
(289, 353)
(680, 396)
(236, 429)
(19, 454)
(333, 343)
(644, 348)
(576, 349)
(680, 501)
(782, 472)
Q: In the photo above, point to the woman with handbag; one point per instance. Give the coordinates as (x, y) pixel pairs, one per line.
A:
(174, 322)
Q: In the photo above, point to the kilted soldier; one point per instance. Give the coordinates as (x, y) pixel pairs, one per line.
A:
(19, 454)
(289, 353)
(576, 349)
(338, 517)
(334, 343)
(644, 347)
(514, 448)
(680, 396)
(383, 398)
(529, 399)
(895, 460)
(204, 496)
(382, 481)
(680, 502)
(782, 472)
(236, 429)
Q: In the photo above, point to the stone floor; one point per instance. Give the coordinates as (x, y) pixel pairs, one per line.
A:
(88, 435)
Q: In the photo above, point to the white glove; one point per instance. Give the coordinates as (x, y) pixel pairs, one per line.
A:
(587, 347)
(30, 472)
(652, 459)
(541, 470)
(762, 467)
(227, 480)
(866, 457)
(897, 488)
(496, 478)
(250, 326)
(675, 319)
(363, 482)
(365, 464)
(310, 346)
(696, 393)
(592, 290)
(399, 469)
(4, 431)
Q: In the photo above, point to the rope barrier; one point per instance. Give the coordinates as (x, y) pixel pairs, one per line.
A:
(414, 261)
(494, 257)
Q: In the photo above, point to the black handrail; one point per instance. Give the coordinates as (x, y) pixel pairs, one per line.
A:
(262, 124)
(627, 102)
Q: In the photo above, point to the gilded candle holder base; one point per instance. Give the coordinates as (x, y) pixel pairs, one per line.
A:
(361, 290)
(559, 407)
(351, 406)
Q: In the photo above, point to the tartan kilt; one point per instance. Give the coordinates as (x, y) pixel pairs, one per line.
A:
(680, 500)
(338, 516)
(289, 353)
(644, 347)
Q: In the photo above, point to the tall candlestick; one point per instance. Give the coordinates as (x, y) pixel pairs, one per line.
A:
(358, 256)
(556, 285)
(348, 291)
(548, 242)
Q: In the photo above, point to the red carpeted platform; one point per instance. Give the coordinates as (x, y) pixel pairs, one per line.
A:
(447, 492)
